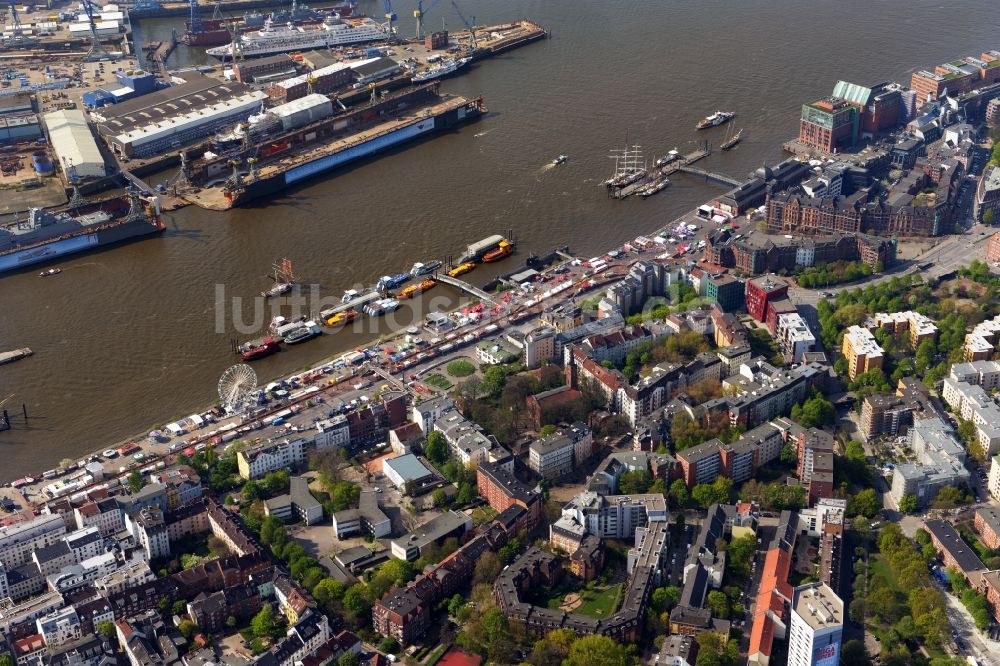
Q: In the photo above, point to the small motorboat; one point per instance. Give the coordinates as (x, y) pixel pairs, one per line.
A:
(560, 160)
(51, 271)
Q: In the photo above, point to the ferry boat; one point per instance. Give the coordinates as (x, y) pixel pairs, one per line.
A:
(446, 67)
(669, 158)
(715, 119)
(381, 306)
(255, 350)
(306, 332)
(286, 38)
(388, 282)
(462, 269)
(423, 269)
(505, 250)
(344, 317)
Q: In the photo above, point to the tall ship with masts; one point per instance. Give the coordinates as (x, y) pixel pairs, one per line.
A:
(630, 167)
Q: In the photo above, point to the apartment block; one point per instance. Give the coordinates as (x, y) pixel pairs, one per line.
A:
(559, 453)
(862, 351)
(256, 461)
(914, 326)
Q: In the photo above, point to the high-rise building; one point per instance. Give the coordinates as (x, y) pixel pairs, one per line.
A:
(817, 626)
(830, 124)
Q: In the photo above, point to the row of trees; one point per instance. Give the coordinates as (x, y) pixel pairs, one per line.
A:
(836, 272)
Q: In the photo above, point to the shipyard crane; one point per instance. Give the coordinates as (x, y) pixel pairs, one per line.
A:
(470, 26)
(17, 37)
(418, 14)
(194, 23)
(97, 50)
(390, 16)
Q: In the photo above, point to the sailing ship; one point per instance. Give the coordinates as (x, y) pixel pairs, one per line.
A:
(731, 141)
(630, 167)
(284, 279)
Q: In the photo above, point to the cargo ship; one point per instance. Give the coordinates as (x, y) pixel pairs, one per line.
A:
(504, 250)
(214, 31)
(325, 144)
(273, 38)
(715, 119)
(48, 234)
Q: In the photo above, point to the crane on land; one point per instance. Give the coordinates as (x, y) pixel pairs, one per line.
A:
(97, 50)
(418, 14)
(17, 37)
(194, 23)
(390, 16)
(470, 26)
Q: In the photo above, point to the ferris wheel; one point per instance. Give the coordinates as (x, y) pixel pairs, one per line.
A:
(236, 386)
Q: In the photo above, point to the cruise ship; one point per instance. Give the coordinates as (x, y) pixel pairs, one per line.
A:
(286, 38)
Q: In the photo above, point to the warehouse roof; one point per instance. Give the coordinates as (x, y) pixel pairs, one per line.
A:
(323, 71)
(197, 92)
(72, 141)
(408, 467)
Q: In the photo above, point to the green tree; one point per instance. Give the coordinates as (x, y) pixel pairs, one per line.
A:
(908, 503)
(788, 454)
(106, 628)
(949, 497)
(347, 659)
(136, 481)
(678, 493)
(356, 601)
(635, 482)
(6, 659)
(718, 603)
(717, 492)
(988, 216)
(179, 607)
(864, 503)
(231, 622)
(665, 598)
(487, 568)
(440, 498)
(597, 651)
(853, 652)
(389, 645)
(328, 591)
(436, 448)
(188, 629)
(262, 623)
(547, 430)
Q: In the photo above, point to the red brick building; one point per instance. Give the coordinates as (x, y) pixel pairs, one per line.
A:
(829, 124)
(502, 490)
(993, 248)
(987, 523)
(954, 551)
(760, 292)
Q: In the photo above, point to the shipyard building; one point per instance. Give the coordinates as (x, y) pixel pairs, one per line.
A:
(73, 143)
(175, 117)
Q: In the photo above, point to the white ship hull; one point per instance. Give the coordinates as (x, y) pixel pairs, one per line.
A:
(286, 39)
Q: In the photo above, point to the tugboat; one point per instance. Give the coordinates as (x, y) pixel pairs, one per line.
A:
(504, 250)
(51, 271)
(715, 119)
(423, 269)
(560, 160)
(732, 141)
(669, 158)
(252, 351)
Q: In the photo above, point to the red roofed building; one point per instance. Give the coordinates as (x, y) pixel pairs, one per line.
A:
(770, 618)
(458, 657)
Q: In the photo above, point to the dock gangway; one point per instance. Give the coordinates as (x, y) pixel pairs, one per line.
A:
(462, 285)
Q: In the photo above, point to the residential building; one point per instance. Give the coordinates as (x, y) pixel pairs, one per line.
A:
(728, 291)
(940, 462)
(817, 626)
(954, 551)
(794, 336)
(502, 490)
(987, 524)
(426, 413)
(862, 351)
(559, 453)
(467, 440)
(913, 325)
(19, 540)
(994, 479)
(60, 627)
(256, 461)
(539, 347)
(403, 438)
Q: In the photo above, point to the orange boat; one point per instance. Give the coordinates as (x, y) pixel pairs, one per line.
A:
(505, 249)
(462, 269)
(342, 317)
(414, 289)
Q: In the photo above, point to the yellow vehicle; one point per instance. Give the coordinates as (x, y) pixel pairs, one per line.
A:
(414, 289)
(462, 269)
(342, 317)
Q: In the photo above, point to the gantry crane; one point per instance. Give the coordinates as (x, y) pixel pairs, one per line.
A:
(418, 14)
(97, 50)
(390, 16)
(470, 26)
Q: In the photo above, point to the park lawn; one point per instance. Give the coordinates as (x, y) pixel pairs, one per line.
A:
(485, 514)
(881, 567)
(460, 368)
(439, 381)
